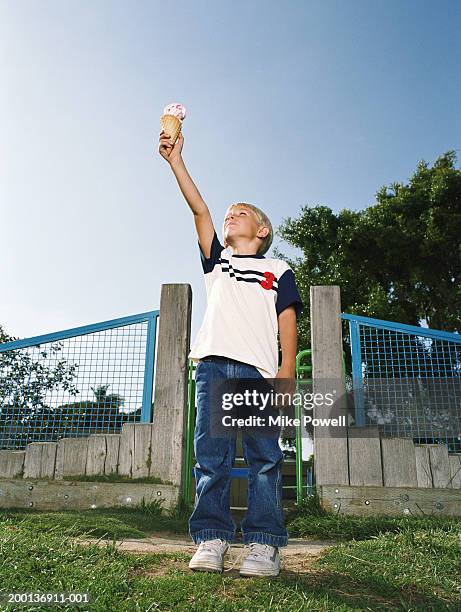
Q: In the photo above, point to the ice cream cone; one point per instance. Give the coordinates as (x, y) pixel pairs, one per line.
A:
(171, 125)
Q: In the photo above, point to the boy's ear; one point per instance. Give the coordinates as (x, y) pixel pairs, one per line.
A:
(265, 231)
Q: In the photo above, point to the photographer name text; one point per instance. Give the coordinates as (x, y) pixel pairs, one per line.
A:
(282, 421)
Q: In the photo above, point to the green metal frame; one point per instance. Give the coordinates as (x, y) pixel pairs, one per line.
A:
(301, 368)
(190, 426)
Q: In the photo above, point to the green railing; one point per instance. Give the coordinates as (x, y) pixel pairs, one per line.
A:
(303, 367)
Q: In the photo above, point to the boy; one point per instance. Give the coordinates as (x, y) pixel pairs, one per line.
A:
(250, 300)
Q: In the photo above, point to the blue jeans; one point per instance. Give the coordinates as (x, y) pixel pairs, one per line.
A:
(211, 518)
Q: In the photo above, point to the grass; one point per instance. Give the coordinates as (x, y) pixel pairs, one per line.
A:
(310, 520)
(380, 564)
(111, 523)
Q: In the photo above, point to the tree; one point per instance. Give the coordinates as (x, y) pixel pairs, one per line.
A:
(92, 416)
(399, 259)
(26, 379)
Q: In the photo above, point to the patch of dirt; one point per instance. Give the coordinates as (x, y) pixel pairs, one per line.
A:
(296, 558)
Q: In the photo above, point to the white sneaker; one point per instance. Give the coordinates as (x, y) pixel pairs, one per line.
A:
(209, 556)
(263, 560)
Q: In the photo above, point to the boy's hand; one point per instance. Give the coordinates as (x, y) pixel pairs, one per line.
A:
(285, 384)
(167, 150)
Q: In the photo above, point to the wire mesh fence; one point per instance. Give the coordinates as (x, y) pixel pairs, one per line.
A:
(407, 380)
(90, 379)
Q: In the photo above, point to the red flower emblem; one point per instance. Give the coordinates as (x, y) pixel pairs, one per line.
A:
(268, 280)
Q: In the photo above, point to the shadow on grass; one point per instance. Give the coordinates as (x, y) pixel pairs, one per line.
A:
(317, 587)
(368, 594)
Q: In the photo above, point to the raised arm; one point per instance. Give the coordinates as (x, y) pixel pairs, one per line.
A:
(202, 218)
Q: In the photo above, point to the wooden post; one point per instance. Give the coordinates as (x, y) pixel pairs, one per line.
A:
(365, 467)
(330, 444)
(455, 470)
(171, 380)
(96, 455)
(126, 450)
(399, 462)
(11, 463)
(440, 466)
(423, 466)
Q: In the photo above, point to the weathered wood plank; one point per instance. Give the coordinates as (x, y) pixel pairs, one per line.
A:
(142, 450)
(40, 460)
(423, 466)
(62, 495)
(96, 456)
(112, 446)
(33, 460)
(11, 463)
(440, 467)
(365, 466)
(126, 451)
(48, 459)
(329, 464)
(75, 453)
(399, 462)
(455, 470)
(171, 382)
(330, 444)
(59, 463)
(390, 501)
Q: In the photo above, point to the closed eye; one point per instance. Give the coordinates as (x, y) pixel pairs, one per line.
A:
(242, 212)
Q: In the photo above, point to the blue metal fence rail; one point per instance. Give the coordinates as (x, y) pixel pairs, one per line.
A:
(88, 379)
(406, 380)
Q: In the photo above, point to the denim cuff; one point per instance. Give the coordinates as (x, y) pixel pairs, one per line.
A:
(212, 534)
(264, 538)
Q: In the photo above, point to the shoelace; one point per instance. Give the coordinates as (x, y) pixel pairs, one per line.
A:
(213, 545)
(255, 549)
(258, 549)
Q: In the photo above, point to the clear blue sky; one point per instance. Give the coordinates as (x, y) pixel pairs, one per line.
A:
(289, 103)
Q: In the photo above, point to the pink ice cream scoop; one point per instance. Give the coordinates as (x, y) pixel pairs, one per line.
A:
(175, 109)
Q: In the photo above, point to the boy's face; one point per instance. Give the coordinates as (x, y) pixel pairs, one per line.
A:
(241, 222)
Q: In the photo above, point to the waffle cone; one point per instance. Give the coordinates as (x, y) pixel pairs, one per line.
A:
(171, 125)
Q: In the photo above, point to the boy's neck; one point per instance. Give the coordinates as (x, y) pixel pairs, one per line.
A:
(244, 251)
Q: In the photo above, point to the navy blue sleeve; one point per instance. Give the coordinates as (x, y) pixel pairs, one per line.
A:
(287, 294)
(216, 248)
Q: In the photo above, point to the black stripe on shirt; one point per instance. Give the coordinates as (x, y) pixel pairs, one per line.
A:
(255, 272)
(253, 280)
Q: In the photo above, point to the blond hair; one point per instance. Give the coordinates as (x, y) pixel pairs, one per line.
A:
(263, 221)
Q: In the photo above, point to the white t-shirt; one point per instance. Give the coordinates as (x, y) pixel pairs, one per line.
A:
(245, 295)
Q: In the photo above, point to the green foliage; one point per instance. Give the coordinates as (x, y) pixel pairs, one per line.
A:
(86, 415)
(399, 259)
(310, 505)
(26, 379)
(153, 508)
(309, 519)
(181, 511)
